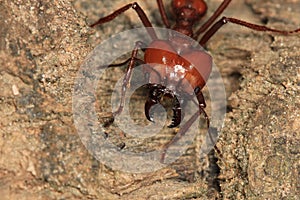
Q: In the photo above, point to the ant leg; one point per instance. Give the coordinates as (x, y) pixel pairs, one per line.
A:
(212, 132)
(211, 20)
(202, 105)
(163, 13)
(128, 74)
(121, 63)
(255, 27)
(181, 133)
(132, 60)
(143, 17)
(114, 65)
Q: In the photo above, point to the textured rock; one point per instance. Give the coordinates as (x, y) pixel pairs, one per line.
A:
(42, 45)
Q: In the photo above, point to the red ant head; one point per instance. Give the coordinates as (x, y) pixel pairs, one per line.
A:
(189, 10)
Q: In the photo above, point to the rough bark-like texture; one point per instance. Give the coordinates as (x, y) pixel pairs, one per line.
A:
(42, 45)
(260, 142)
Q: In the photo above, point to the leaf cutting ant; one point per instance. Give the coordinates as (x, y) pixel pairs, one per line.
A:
(170, 57)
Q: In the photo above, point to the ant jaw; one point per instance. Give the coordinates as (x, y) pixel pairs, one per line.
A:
(149, 103)
(176, 120)
(155, 97)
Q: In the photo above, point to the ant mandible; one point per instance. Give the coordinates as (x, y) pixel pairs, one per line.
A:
(171, 57)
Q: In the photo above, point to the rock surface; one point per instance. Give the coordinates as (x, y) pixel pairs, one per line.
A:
(43, 44)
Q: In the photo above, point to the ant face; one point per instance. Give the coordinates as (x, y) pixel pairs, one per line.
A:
(189, 9)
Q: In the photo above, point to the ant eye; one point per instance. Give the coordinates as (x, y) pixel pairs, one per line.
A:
(179, 3)
(200, 6)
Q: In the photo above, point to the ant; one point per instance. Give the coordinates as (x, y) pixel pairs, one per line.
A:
(170, 56)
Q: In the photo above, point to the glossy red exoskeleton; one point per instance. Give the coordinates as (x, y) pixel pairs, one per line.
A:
(177, 63)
